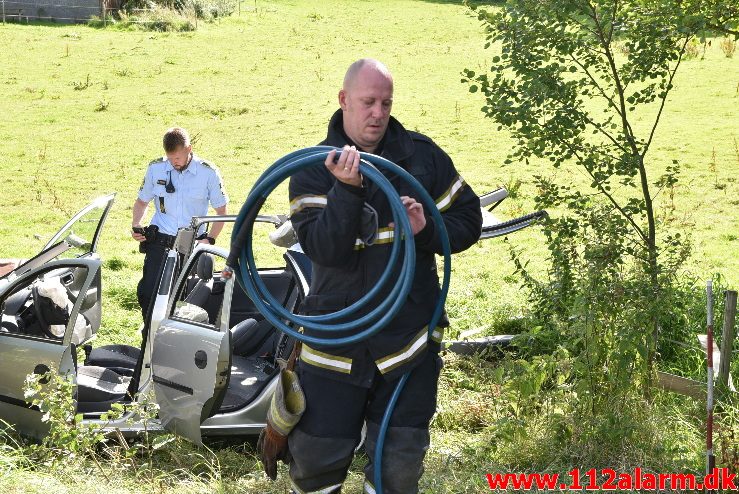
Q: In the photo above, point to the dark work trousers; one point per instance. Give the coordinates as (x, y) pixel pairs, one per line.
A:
(155, 257)
(322, 444)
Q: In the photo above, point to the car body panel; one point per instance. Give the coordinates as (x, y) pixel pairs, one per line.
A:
(186, 362)
(190, 366)
(25, 354)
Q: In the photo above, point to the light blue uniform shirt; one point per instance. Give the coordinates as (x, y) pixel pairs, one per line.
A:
(195, 187)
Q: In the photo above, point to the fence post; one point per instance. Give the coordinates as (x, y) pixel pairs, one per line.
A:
(3, 11)
(727, 337)
(710, 458)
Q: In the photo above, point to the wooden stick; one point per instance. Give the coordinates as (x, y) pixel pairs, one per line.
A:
(710, 459)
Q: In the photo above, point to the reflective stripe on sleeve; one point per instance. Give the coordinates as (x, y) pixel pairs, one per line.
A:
(307, 201)
(448, 197)
(438, 335)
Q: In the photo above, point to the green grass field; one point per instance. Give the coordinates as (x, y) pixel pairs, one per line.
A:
(84, 110)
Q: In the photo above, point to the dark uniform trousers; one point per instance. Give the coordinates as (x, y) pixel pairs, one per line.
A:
(155, 257)
(322, 444)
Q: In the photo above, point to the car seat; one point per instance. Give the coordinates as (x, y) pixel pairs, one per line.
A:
(126, 356)
(98, 388)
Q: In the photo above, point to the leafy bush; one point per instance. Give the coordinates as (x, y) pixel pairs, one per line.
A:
(728, 46)
(727, 431)
(209, 9)
(154, 19)
(53, 394)
(199, 9)
(175, 16)
(115, 264)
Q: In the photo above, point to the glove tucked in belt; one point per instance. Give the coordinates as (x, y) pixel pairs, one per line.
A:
(286, 408)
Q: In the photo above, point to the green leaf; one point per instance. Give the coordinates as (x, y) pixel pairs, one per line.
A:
(161, 441)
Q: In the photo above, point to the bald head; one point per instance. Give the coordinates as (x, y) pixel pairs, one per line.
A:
(366, 100)
(365, 66)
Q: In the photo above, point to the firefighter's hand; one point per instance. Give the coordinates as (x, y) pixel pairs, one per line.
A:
(346, 169)
(272, 446)
(415, 214)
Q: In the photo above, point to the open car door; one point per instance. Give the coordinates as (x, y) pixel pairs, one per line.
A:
(36, 332)
(82, 232)
(77, 239)
(191, 361)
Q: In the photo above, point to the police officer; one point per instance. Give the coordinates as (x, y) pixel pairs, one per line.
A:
(181, 185)
(348, 385)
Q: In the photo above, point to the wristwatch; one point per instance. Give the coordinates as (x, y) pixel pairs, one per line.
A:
(205, 236)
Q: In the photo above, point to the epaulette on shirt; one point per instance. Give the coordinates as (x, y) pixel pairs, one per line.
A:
(208, 164)
(161, 159)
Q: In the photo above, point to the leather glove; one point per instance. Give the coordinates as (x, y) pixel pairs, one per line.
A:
(272, 447)
(286, 408)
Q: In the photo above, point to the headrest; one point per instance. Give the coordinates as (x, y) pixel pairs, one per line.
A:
(192, 313)
(205, 267)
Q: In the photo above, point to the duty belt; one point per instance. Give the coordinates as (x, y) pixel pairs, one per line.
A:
(164, 240)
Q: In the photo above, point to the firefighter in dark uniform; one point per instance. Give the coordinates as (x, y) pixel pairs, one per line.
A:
(347, 385)
(181, 185)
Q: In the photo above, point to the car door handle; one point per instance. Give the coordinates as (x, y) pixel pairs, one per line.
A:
(67, 279)
(201, 359)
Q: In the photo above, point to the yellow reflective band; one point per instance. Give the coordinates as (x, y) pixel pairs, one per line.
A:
(325, 490)
(307, 201)
(384, 236)
(448, 197)
(278, 424)
(325, 360)
(386, 364)
(282, 425)
(438, 335)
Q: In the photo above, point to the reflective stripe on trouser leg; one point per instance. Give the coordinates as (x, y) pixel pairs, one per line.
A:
(407, 438)
(402, 458)
(334, 489)
(319, 464)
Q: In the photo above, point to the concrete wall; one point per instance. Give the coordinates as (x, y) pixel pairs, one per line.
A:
(50, 10)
